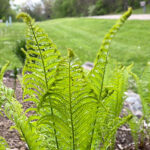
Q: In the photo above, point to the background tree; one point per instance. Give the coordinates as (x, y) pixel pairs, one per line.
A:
(47, 4)
(6, 10)
(68, 8)
(35, 10)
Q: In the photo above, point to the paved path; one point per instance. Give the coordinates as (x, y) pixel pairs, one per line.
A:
(132, 17)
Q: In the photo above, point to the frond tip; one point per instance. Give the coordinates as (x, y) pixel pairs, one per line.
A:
(70, 53)
(127, 14)
(26, 17)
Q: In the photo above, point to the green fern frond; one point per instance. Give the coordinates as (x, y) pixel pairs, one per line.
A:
(27, 19)
(143, 88)
(97, 74)
(3, 70)
(113, 101)
(13, 110)
(119, 82)
(3, 89)
(73, 104)
(42, 58)
(118, 122)
(3, 144)
(137, 125)
(143, 84)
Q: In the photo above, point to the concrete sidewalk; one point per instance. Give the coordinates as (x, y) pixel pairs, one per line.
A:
(132, 17)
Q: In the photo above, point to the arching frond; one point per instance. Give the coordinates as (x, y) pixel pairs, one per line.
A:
(3, 70)
(41, 62)
(13, 110)
(97, 74)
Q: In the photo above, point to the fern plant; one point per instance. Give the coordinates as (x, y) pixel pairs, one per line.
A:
(141, 127)
(71, 110)
(3, 144)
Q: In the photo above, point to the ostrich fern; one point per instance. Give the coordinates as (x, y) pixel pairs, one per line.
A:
(3, 144)
(72, 111)
(13, 110)
(140, 128)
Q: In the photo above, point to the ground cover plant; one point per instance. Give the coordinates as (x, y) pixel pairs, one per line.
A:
(72, 110)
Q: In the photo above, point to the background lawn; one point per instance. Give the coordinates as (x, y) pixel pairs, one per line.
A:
(84, 36)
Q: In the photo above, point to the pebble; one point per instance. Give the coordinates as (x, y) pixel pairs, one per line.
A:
(88, 65)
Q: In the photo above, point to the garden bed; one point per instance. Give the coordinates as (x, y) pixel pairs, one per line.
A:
(123, 139)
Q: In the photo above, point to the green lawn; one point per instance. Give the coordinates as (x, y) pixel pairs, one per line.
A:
(84, 36)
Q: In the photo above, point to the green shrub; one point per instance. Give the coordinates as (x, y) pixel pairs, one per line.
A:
(17, 49)
(100, 9)
(72, 110)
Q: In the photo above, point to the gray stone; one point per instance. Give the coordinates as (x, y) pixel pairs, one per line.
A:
(88, 66)
(133, 103)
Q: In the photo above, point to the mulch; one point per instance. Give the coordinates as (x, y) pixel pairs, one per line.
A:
(124, 139)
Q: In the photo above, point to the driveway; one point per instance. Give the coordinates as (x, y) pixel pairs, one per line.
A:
(132, 17)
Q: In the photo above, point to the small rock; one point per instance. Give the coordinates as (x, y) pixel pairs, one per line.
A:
(22, 148)
(88, 65)
(133, 103)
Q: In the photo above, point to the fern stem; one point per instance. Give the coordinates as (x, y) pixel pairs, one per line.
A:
(52, 113)
(43, 64)
(70, 99)
(46, 81)
(26, 139)
(116, 107)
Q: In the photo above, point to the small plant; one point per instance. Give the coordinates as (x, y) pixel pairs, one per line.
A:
(141, 127)
(72, 110)
(14, 75)
(17, 50)
(3, 144)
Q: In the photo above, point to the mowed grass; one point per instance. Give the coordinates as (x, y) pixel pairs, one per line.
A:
(8, 38)
(84, 36)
